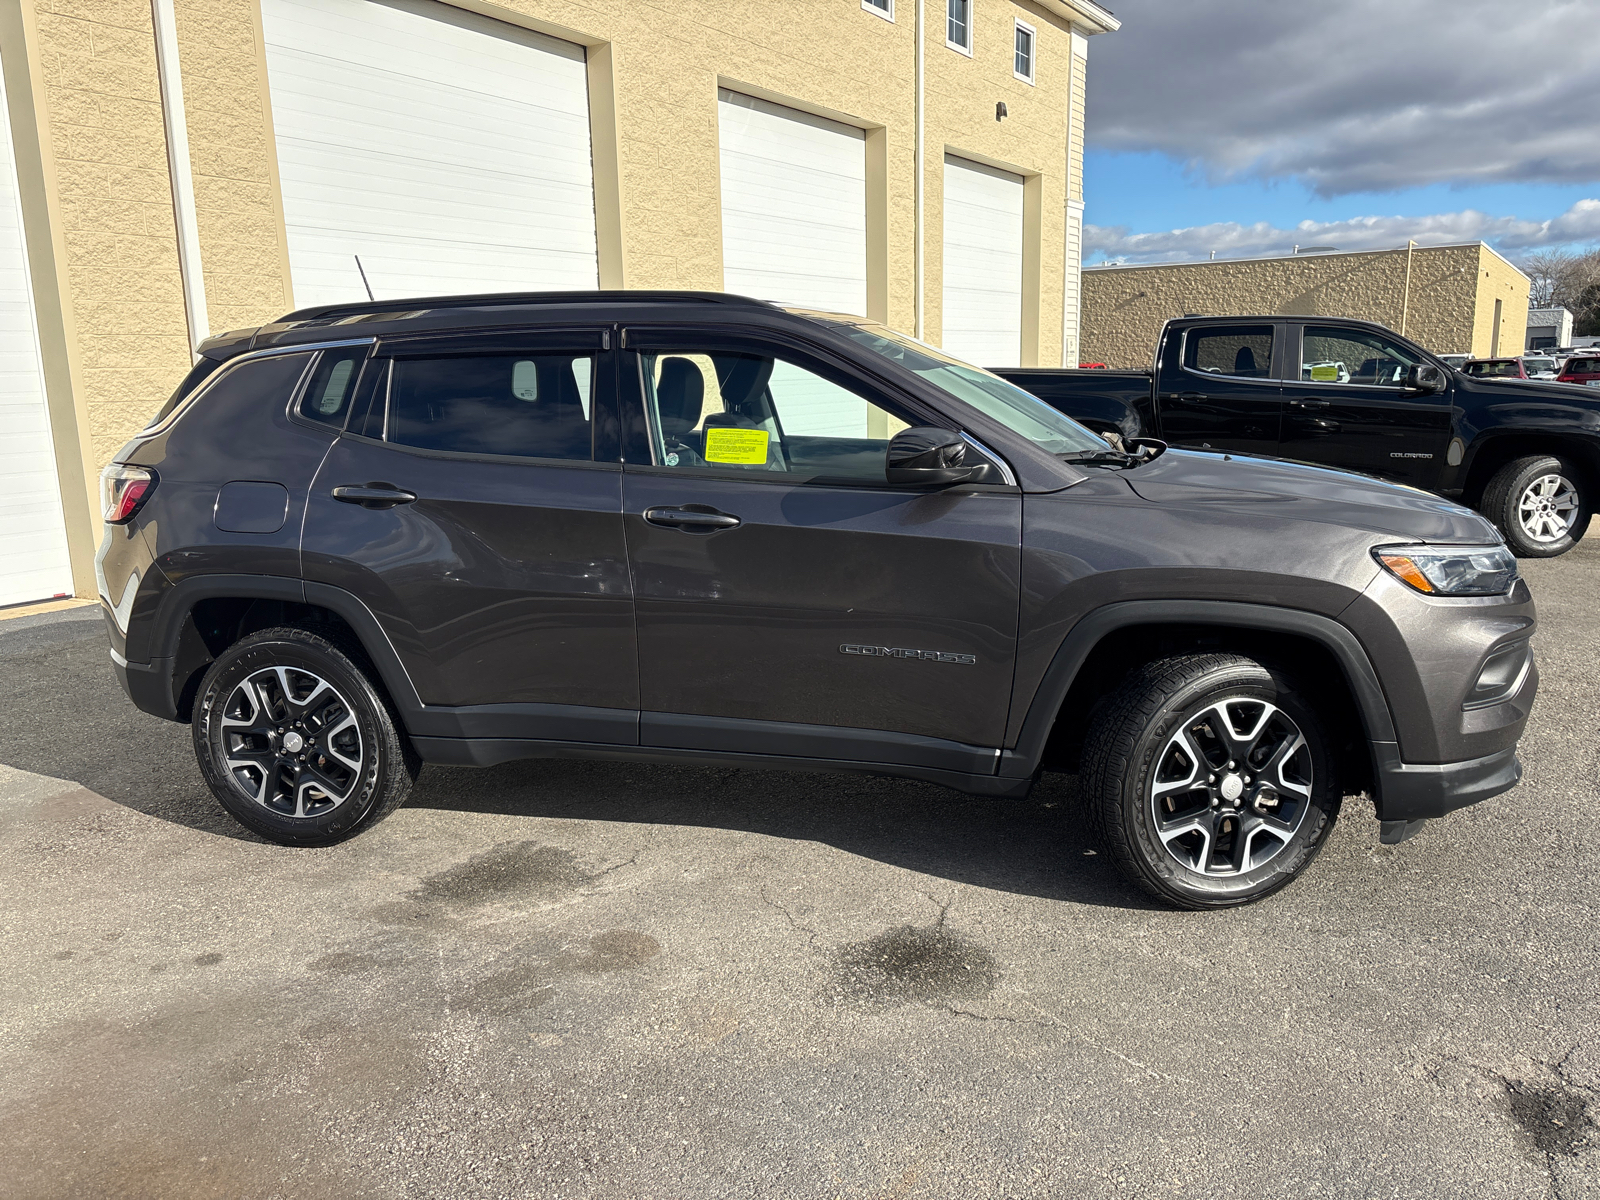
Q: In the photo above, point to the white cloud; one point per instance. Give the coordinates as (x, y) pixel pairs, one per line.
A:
(1354, 95)
(1229, 239)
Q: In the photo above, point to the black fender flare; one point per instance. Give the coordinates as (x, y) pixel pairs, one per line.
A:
(175, 606)
(1023, 760)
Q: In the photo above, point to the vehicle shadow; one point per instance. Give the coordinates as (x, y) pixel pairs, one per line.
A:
(62, 714)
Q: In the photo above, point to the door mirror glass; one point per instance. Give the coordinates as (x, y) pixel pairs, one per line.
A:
(927, 457)
(1423, 377)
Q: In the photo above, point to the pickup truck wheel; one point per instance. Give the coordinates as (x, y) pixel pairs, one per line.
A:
(296, 741)
(1539, 503)
(1209, 780)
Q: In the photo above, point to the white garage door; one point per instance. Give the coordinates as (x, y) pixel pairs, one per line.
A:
(33, 535)
(448, 151)
(794, 206)
(982, 264)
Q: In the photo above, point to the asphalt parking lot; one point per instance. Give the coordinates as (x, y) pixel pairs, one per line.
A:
(563, 979)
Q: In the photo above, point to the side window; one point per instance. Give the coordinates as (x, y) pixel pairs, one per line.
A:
(1333, 355)
(332, 384)
(724, 410)
(532, 405)
(1244, 351)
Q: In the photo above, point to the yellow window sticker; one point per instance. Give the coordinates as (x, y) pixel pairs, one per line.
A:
(745, 447)
(1325, 373)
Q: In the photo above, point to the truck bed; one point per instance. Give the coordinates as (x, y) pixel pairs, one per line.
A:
(1106, 401)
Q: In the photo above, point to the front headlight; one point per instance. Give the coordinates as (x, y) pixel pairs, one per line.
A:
(1451, 570)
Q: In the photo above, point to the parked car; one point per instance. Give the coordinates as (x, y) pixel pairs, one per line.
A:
(694, 528)
(1581, 369)
(1524, 453)
(1495, 368)
(1539, 366)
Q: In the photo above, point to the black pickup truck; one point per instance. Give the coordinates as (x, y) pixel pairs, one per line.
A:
(1357, 396)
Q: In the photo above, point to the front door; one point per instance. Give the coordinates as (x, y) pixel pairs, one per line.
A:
(465, 507)
(1225, 394)
(1350, 407)
(790, 601)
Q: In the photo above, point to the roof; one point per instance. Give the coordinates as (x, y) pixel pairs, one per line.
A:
(328, 312)
(1265, 258)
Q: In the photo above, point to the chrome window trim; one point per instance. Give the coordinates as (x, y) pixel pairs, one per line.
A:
(292, 409)
(1005, 467)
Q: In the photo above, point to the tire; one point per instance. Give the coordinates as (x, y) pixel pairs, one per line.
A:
(1155, 732)
(297, 742)
(1528, 500)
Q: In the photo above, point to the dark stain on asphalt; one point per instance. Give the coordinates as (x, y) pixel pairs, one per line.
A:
(505, 992)
(63, 955)
(511, 869)
(1555, 1118)
(207, 960)
(613, 950)
(909, 964)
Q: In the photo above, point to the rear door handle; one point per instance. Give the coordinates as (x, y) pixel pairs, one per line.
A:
(373, 495)
(703, 519)
(1185, 397)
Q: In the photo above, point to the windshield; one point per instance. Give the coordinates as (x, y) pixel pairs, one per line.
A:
(1019, 411)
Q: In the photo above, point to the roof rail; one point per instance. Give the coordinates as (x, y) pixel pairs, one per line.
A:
(493, 299)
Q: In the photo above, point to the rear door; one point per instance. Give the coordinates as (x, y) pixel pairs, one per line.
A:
(1224, 391)
(465, 506)
(789, 600)
(1348, 406)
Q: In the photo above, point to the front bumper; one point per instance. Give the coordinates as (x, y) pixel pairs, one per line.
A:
(1407, 792)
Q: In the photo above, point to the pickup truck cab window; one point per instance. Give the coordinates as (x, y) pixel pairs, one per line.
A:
(1332, 355)
(1242, 351)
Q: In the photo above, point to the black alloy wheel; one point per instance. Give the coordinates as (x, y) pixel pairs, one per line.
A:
(1209, 780)
(296, 741)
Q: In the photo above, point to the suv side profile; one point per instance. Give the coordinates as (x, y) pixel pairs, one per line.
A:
(693, 527)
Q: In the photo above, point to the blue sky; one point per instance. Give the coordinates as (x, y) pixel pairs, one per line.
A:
(1227, 124)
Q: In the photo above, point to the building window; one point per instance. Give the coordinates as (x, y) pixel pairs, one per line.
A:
(1023, 67)
(958, 25)
(883, 8)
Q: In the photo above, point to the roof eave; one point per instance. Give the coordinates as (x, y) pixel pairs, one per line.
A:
(1085, 14)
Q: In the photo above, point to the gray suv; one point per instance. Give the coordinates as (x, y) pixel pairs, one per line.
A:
(697, 528)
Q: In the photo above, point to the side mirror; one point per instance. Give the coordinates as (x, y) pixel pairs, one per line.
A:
(929, 457)
(1424, 378)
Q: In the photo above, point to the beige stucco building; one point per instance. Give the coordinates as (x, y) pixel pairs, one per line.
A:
(1462, 299)
(175, 168)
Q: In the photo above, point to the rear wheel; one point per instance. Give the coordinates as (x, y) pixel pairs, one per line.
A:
(1209, 780)
(1540, 504)
(295, 740)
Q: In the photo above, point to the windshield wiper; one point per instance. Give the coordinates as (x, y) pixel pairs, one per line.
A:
(1103, 458)
(1125, 453)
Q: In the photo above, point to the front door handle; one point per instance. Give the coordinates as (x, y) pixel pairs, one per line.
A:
(373, 495)
(1308, 404)
(699, 519)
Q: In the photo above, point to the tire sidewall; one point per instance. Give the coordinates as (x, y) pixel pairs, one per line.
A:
(287, 648)
(1191, 888)
(1511, 524)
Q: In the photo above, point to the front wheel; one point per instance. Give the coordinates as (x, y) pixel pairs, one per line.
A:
(1540, 504)
(1209, 780)
(295, 740)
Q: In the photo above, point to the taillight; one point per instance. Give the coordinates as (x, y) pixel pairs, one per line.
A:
(123, 491)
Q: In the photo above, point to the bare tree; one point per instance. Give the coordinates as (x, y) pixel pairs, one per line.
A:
(1546, 269)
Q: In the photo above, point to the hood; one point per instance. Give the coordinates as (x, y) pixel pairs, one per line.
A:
(1245, 484)
(1534, 390)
